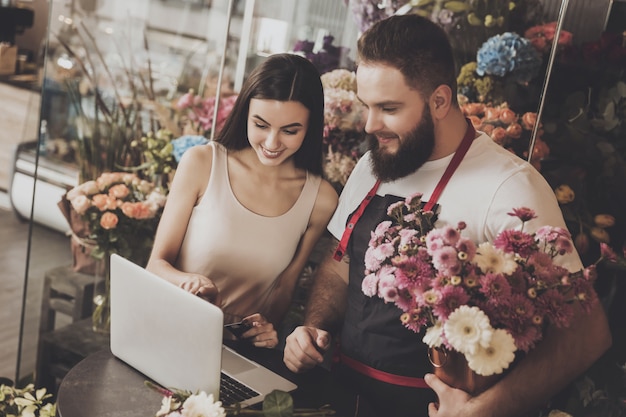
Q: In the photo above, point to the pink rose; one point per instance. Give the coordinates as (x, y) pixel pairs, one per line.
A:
(109, 220)
(186, 100)
(81, 203)
(119, 191)
(104, 202)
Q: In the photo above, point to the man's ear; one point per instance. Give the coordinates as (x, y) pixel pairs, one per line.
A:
(440, 101)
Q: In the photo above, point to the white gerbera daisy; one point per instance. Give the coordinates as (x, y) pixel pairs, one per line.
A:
(202, 405)
(467, 328)
(433, 336)
(490, 259)
(496, 357)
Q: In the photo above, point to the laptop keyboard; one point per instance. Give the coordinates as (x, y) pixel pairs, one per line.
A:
(233, 391)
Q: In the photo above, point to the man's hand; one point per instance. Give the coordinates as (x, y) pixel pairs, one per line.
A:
(305, 348)
(452, 402)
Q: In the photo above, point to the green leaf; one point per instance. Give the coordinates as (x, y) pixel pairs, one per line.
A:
(421, 3)
(278, 404)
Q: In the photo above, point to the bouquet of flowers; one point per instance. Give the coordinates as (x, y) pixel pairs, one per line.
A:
(122, 212)
(542, 37)
(197, 112)
(485, 301)
(183, 403)
(26, 401)
(343, 124)
(507, 128)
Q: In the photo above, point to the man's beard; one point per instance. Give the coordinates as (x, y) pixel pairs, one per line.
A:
(413, 152)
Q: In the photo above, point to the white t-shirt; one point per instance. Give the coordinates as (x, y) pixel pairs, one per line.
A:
(488, 184)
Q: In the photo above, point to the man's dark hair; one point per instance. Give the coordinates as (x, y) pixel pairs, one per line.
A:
(417, 47)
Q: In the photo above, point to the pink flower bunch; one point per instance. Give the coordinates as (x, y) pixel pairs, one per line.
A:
(121, 211)
(542, 37)
(198, 112)
(508, 129)
(344, 122)
(486, 301)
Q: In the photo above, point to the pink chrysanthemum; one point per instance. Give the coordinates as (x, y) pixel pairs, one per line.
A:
(495, 287)
(452, 297)
(515, 241)
(523, 213)
(446, 261)
(369, 286)
(552, 305)
(466, 246)
(607, 252)
(450, 235)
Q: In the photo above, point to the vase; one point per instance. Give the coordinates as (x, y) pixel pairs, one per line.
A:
(452, 368)
(101, 315)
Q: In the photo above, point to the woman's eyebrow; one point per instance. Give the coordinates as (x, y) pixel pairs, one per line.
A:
(295, 124)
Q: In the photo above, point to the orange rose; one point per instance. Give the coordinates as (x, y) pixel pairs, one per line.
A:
(104, 202)
(492, 113)
(498, 135)
(514, 130)
(109, 220)
(473, 109)
(507, 116)
(487, 128)
(528, 120)
(137, 210)
(475, 121)
(119, 191)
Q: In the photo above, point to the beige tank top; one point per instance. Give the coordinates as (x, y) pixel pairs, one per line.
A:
(240, 251)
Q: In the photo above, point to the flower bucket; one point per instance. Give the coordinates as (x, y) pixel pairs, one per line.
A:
(452, 368)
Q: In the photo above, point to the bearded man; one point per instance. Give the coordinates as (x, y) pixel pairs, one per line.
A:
(423, 143)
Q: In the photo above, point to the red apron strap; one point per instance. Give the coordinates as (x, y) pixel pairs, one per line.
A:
(341, 247)
(470, 133)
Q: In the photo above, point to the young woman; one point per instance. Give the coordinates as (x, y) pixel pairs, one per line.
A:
(245, 211)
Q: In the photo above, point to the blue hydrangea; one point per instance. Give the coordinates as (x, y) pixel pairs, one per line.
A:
(185, 142)
(508, 53)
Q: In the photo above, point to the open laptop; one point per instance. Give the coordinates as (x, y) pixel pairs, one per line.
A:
(175, 338)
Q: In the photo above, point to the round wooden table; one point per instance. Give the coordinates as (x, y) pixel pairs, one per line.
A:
(103, 386)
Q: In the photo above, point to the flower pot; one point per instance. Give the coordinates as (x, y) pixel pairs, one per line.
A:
(452, 368)
(101, 315)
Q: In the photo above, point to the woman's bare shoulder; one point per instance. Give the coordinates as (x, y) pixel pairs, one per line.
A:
(327, 199)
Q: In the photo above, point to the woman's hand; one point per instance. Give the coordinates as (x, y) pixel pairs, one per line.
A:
(262, 333)
(202, 287)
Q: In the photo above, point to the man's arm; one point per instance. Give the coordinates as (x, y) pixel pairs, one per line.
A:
(326, 306)
(559, 358)
(327, 300)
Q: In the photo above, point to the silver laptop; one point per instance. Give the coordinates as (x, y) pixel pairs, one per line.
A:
(175, 338)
